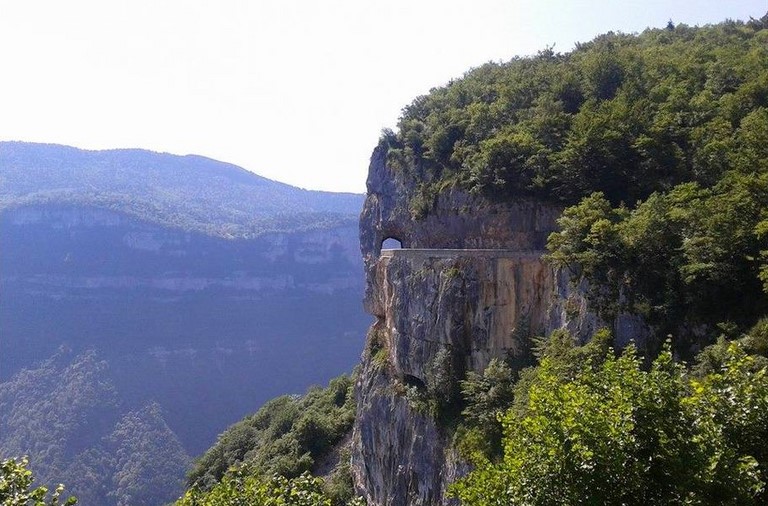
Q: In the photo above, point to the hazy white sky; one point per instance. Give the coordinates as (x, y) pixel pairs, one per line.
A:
(295, 90)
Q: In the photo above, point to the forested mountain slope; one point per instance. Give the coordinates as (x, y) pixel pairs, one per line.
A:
(676, 118)
(72, 422)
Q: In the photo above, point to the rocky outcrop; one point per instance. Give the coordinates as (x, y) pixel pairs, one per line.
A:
(478, 304)
(457, 220)
(469, 285)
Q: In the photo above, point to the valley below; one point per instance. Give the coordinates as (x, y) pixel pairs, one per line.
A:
(189, 325)
(194, 322)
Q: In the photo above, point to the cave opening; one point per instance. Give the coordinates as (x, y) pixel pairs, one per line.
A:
(413, 381)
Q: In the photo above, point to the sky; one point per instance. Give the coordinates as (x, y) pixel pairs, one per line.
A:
(294, 90)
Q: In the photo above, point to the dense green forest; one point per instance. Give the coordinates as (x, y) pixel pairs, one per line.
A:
(626, 115)
(68, 418)
(658, 142)
(693, 253)
(276, 448)
(664, 135)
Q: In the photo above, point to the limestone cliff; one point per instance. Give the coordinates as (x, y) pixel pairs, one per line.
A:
(469, 285)
(177, 313)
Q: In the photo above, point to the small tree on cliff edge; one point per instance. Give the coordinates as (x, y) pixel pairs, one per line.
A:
(16, 487)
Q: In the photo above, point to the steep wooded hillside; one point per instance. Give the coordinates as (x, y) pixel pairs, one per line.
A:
(68, 417)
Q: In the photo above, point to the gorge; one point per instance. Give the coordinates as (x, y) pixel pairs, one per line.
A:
(565, 261)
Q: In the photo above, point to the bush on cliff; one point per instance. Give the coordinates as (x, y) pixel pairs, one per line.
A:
(286, 437)
(609, 432)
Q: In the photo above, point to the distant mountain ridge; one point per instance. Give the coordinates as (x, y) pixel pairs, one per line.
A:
(205, 289)
(189, 192)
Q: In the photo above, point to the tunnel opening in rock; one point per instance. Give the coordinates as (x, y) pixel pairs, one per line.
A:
(391, 243)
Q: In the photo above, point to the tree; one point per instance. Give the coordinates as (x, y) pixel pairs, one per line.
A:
(16, 487)
(485, 396)
(286, 437)
(238, 487)
(620, 435)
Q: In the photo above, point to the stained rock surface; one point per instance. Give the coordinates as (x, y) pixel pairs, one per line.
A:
(469, 285)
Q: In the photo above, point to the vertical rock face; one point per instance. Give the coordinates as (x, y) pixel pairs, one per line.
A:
(443, 312)
(177, 313)
(458, 220)
(476, 304)
(468, 286)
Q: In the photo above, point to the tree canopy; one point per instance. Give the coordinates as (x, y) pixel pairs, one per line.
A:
(625, 115)
(16, 487)
(69, 418)
(279, 445)
(608, 431)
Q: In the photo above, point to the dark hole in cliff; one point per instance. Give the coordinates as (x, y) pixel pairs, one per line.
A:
(391, 243)
(413, 381)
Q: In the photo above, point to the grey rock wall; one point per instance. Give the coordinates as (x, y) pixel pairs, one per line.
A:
(206, 326)
(455, 312)
(469, 285)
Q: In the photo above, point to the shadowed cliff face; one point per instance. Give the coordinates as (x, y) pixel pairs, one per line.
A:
(438, 316)
(476, 303)
(468, 286)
